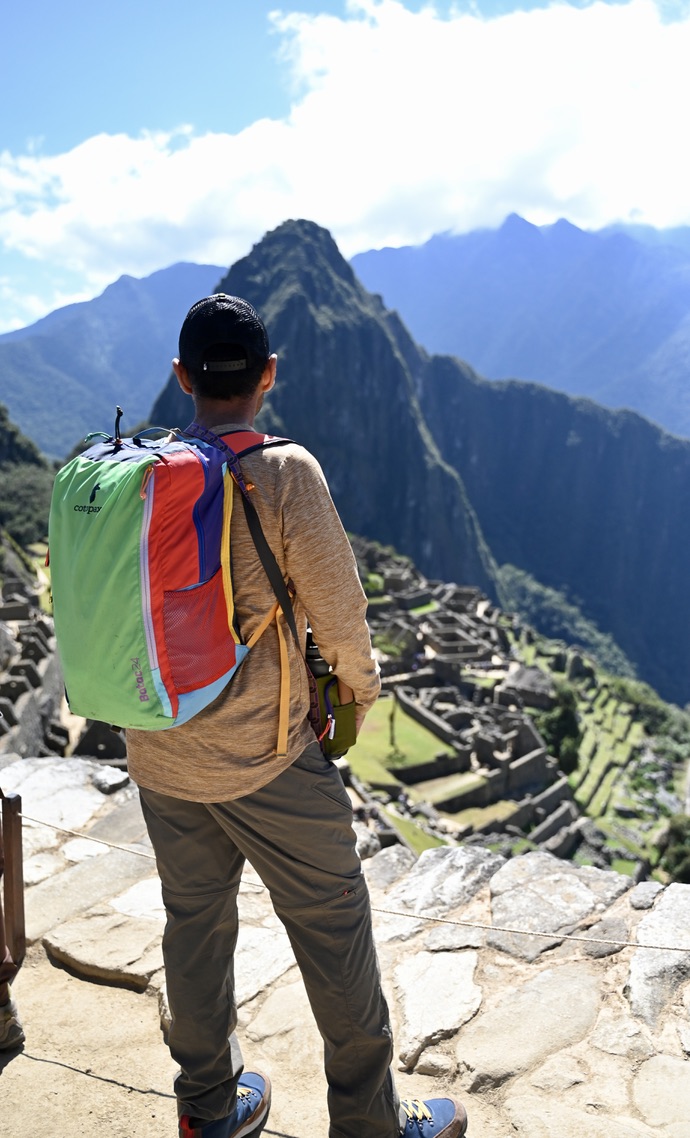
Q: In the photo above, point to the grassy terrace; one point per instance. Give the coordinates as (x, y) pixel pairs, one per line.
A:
(611, 738)
(439, 790)
(411, 743)
(373, 760)
(480, 816)
(416, 838)
(606, 784)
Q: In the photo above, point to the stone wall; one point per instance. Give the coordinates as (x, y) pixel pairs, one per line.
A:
(412, 707)
(440, 767)
(31, 686)
(530, 770)
(564, 816)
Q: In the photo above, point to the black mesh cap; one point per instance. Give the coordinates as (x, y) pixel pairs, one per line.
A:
(227, 320)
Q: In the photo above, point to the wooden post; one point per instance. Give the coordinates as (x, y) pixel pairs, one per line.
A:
(12, 928)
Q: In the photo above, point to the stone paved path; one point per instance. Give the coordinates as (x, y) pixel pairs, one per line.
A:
(540, 1037)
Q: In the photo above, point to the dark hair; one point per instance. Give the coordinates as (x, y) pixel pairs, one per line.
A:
(228, 384)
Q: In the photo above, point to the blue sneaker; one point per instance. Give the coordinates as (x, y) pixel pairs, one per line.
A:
(248, 1117)
(434, 1118)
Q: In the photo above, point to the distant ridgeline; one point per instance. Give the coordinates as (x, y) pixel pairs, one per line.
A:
(93, 355)
(605, 315)
(463, 474)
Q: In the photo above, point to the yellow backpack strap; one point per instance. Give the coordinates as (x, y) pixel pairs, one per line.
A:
(225, 554)
(263, 626)
(284, 712)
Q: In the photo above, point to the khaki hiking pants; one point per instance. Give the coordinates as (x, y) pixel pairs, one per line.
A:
(297, 834)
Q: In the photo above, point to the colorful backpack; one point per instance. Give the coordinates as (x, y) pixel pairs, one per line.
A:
(139, 553)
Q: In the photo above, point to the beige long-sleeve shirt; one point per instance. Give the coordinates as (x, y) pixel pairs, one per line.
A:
(229, 749)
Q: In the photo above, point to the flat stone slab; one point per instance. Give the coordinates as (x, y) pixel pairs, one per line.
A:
(388, 866)
(436, 994)
(656, 974)
(617, 1033)
(538, 1118)
(389, 927)
(645, 894)
(284, 1010)
(142, 899)
(108, 946)
(79, 887)
(42, 865)
(661, 1092)
(541, 893)
(607, 937)
(445, 878)
(552, 1011)
(451, 938)
(79, 849)
(59, 794)
(124, 824)
(263, 955)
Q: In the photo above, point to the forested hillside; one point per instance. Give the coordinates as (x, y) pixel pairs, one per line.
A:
(26, 480)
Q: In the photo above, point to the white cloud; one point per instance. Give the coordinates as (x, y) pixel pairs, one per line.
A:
(402, 124)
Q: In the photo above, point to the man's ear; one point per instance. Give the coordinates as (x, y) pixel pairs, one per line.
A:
(268, 377)
(182, 376)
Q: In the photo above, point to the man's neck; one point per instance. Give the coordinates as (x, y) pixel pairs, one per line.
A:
(216, 413)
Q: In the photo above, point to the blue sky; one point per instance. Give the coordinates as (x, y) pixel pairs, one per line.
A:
(139, 134)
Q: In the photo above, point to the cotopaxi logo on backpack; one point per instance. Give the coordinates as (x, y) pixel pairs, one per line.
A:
(90, 508)
(139, 676)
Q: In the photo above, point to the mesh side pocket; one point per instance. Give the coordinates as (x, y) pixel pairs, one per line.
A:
(200, 647)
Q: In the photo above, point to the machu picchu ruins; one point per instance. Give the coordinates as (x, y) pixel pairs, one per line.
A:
(467, 672)
(453, 663)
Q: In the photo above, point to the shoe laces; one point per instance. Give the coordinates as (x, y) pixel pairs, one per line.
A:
(186, 1126)
(416, 1110)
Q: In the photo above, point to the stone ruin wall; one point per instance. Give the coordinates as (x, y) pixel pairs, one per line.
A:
(31, 685)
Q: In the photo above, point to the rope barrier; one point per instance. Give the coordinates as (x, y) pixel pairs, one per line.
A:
(530, 932)
(410, 916)
(87, 837)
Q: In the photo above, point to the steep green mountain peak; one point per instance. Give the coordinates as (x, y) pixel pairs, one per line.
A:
(348, 374)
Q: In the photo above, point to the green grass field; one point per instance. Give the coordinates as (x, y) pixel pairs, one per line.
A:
(373, 750)
(373, 755)
(413, 835)
(479, 816)
(439, 790)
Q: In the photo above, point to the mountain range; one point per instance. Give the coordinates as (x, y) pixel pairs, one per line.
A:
(462, 473)
(603, 314)
(63, 376)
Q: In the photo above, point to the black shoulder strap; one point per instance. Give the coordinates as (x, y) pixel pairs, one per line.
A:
(263, 549)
